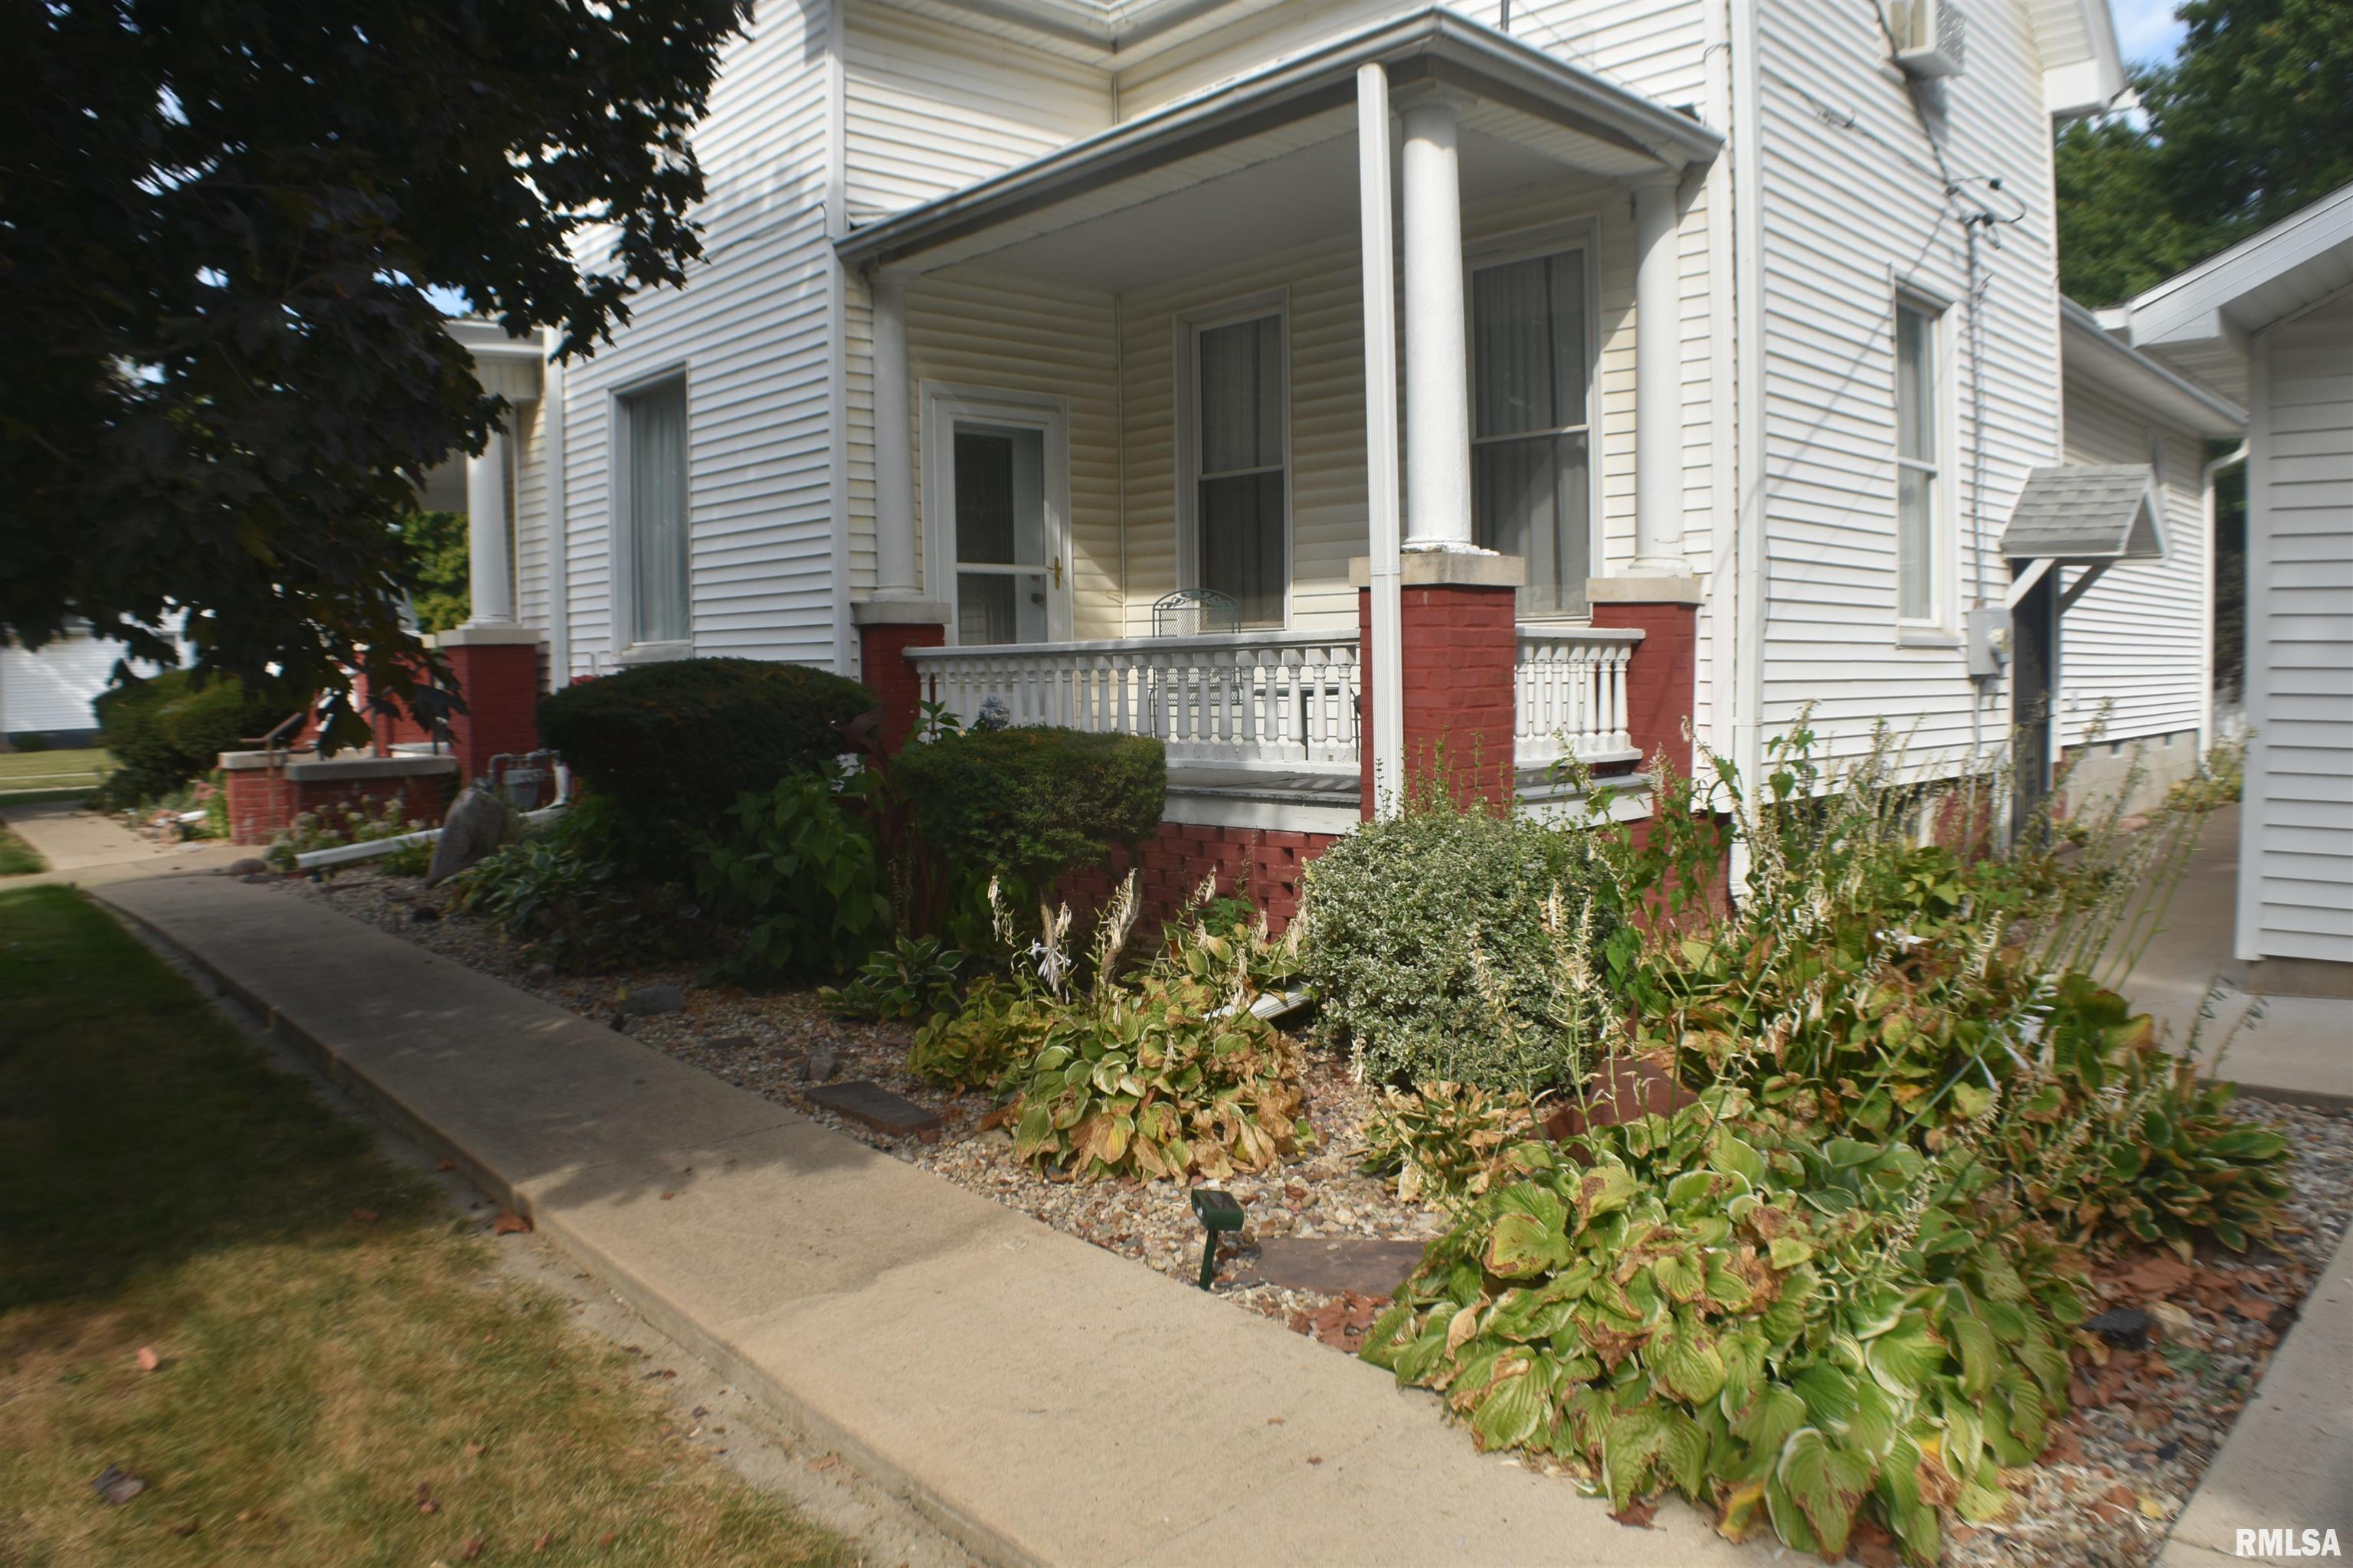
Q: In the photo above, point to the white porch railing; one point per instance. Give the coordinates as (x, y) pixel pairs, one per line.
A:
(1571, 696)
(1252, 699)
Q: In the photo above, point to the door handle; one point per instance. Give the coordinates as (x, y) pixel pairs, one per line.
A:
(1058, 574)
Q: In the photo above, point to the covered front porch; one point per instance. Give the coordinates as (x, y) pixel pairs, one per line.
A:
(1122, 471)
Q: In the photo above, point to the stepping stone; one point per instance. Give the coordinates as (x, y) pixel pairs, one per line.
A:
(873, 1105)
(1334, 1264)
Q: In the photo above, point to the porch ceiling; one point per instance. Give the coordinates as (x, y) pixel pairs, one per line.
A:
(1269, 160)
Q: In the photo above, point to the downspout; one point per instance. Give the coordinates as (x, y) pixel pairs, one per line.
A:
(552, 413)
(2206, 478)
(1749, 569)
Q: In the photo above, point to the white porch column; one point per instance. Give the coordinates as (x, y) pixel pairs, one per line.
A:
(489, 569)
(1437, 378)
(1657, 373)
(894, 458)
(1375, 238)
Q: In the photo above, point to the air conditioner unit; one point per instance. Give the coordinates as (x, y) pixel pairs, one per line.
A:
(1928, 35)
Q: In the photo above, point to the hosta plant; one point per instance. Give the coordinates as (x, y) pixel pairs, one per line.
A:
(1787, 1333)
(1164, 1073)
(915, 977)
(1444, 1141)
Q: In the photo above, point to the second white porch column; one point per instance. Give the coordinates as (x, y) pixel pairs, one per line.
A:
(1658, 371)
(1437, 379)
(490, 570)
(894, 458)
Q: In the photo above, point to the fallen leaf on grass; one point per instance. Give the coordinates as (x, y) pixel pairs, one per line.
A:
(546, 1540)
(426, 1502)
(366, 1216)
(1636, 1515)
(117, 1485)
(508, 1223)
(473, 1450)
(186, 1528)
(447, 1165)
(608, 1538)
(148, 1360)
(472, 1549)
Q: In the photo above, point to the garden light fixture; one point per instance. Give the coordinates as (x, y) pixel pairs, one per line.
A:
(1218, 1213)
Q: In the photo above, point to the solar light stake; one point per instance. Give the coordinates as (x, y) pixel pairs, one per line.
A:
(1218, 1213)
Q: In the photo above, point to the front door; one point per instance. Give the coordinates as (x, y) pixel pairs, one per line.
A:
(1001, 463)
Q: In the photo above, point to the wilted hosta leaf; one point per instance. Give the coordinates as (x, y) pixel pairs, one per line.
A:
(1516, 1405)
(1827, 1483)
(1902, 1359)
(1520, 1247)
(1678, 1274)
(1975, 1339)
(1687, 1362)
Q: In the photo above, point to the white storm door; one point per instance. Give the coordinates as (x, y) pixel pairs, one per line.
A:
(1002, 471)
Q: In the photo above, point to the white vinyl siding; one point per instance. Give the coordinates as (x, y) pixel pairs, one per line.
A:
(53, 689)
(752, 332)
(931, 108)
(2296, 891)
(2133, 642)
(1843, 213)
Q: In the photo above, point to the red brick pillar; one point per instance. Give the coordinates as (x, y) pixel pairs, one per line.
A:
(1662, 679)
(886, 629)
(1460, 636)
(497, 672)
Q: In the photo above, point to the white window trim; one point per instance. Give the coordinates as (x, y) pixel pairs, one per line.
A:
(944, 404)
(1578, 233)
(1935, 630)
(1185, 355)
(620, 546)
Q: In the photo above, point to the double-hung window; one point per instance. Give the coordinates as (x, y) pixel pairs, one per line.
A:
(1242, 479)
(1920, 479)
(653, 498)
(1531, 493)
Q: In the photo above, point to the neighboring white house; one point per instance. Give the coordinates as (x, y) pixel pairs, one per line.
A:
(48, 693)
(2138, 644)
(2271, 321)
(1021, 316)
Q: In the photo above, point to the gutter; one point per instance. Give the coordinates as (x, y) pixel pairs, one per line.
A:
(2082, 327)
(1431, 42)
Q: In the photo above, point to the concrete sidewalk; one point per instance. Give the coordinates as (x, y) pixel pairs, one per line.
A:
(1046, 1401)
(88, 849)
(2300, 1048)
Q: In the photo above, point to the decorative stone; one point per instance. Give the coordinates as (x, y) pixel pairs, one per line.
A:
(2124, 1326)
(1334, 1265)
(871, 1105)
(646, 1000)
(474, 827)
(251, 865)
(817, 1066)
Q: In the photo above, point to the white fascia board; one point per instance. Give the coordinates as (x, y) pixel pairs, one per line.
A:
(2083, 86)
(2196, 306)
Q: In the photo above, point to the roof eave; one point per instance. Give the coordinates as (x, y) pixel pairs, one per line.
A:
(2157, 384)
(1444, 40)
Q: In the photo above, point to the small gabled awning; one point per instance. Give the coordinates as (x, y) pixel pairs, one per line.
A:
(2081, 515)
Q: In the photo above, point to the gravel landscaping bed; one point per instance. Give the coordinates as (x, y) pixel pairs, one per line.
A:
(2143, 1427)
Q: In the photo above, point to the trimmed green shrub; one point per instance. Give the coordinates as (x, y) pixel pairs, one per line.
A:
(1428, 942)
(674, 744)
(1036, 802)
(165, 731)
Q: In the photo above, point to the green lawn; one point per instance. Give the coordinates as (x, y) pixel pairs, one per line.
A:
(54, 770)
(17, 857)
(330, 1338)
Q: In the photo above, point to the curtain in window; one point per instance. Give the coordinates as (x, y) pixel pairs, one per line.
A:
(1240, 498)
(1530, 495)
(655, 433)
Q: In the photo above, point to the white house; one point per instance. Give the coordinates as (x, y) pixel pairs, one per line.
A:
(2270, 322)
(1031, 358)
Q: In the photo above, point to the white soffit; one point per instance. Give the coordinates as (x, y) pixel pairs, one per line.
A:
(2083, 67)
(2085, 513)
